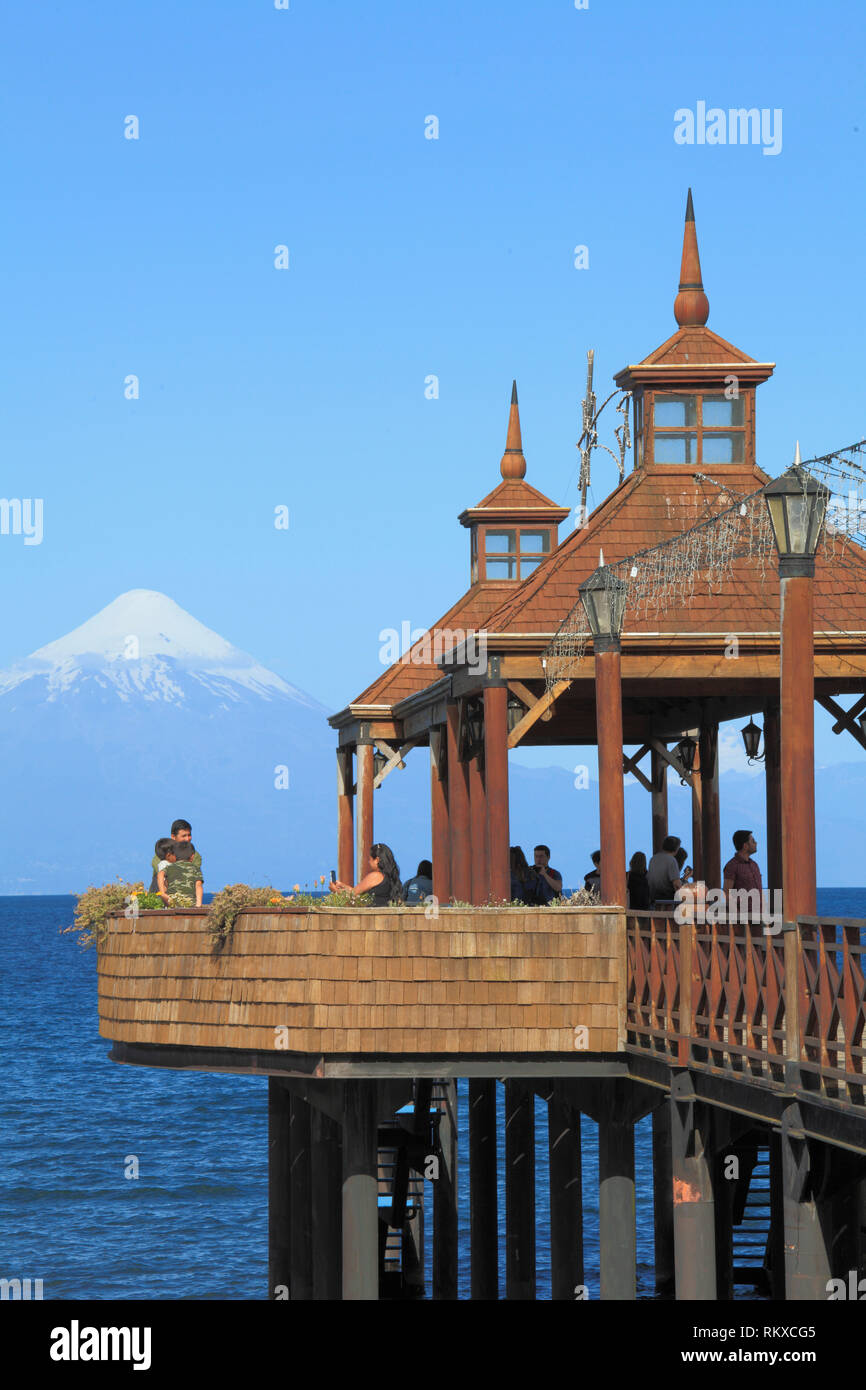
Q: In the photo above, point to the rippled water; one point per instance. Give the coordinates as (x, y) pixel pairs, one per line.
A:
(194, 1222)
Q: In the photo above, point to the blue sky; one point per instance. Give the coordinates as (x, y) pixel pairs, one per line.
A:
(408, 257)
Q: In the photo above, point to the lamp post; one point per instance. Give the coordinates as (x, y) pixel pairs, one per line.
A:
(603, 598)
(797, 504)
(752, 742)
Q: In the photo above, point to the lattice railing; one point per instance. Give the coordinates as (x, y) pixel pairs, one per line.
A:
(733, 1018)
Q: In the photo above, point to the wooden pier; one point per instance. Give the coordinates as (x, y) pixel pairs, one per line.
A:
(364, 1021)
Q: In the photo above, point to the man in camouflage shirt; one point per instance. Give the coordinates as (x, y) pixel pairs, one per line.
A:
(183, 877)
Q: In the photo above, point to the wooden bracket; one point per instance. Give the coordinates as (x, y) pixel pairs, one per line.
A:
(674, 762)
(845, 719)
(395, 758)
(631, 765)
(537, 711)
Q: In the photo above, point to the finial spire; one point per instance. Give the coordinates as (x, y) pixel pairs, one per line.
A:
(797, 455)
(513, 464)
(691, 305)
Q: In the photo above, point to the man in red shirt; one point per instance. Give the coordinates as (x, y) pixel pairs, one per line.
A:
(742, 875)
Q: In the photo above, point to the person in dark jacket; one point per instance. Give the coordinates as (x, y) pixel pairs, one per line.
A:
(418, 889)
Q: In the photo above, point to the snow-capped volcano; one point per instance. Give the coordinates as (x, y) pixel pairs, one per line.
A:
(145, 645)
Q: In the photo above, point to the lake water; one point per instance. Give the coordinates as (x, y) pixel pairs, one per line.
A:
(194, 1223)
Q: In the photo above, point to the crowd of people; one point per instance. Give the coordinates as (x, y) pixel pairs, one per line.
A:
(535, 883)
(655, 884)
(177, 874)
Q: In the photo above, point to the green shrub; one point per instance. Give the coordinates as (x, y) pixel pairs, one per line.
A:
(96, 905)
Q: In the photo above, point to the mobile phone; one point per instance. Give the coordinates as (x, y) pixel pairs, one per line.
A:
(333, 876)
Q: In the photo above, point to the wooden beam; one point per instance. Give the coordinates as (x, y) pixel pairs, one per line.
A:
(856, 709)
(631, 765)
(669, 757)
(844, 718)
(523, 693)
(535, 712)
(395, 758)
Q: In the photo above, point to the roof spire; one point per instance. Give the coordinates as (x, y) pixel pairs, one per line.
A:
(691, 305)
(513, 464)
(797, 460)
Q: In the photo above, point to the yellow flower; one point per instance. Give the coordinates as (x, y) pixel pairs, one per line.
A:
(322, 878)
(297, 888)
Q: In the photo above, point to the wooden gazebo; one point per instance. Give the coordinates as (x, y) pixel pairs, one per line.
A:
(694, 403)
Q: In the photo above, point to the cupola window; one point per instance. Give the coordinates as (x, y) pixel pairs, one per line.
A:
(698, 429)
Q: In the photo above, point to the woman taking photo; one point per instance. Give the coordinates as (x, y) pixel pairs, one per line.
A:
(381, 881)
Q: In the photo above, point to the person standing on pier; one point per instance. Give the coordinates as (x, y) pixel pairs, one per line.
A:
(547, 881)
(741, 874)
(663, 874)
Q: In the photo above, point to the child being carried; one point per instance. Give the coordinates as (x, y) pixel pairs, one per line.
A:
(177, 872)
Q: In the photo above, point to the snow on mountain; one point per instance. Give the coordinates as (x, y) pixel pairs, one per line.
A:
(144, 644)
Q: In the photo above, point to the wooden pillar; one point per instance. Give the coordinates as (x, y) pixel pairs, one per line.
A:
(711, 840)
(772, 774)
(279, 1191)
(327, 1178)
(694, 1213)
(441, 830)
(445, 1243)
(458, 811)
(659, 778)
(663, 1202)
(360, 1191)
(696, 858)
(477, 830)
(797, 747)
(302, 1201)
(776, 1249)
(566, 1194)
(807, 1252)
(496, 778)
(617, 1231)
(364, 827)
(345, 817)
(519, 1191)
(608, 723)
(483, 1215)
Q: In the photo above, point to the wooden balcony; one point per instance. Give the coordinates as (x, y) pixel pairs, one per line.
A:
(333, 985)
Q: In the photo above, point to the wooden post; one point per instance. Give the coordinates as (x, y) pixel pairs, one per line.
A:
(694, 1213)
(345, 817)
(797, 747)
(696, 858)
(458, 812)
(279, 1191)
(360, 1192)
(364, 826)
(483, 1217)
(441, 830)
(566, 1194)
(772, 773)
(327, 1177)
(663, 1202)
(659, 778)
(519, 1191)
(617, 1231)
(807, 1251)
(711, 840)
(477, 830)
(496, 777)
(302, 1201)
(445, 1226)
(608, 723)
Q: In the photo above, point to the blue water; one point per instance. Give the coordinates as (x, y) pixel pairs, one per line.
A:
(194, 1222)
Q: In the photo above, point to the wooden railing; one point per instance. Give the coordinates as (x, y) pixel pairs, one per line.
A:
(719, 997)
